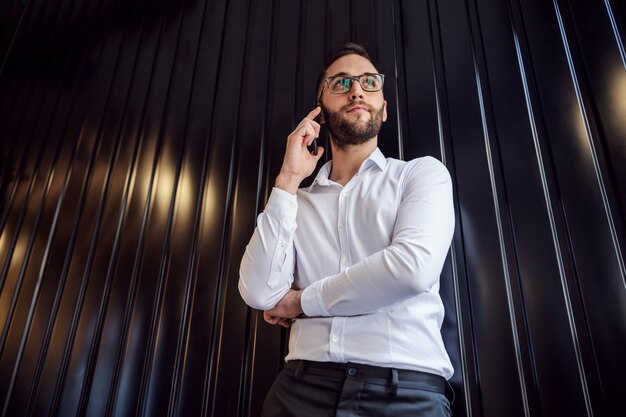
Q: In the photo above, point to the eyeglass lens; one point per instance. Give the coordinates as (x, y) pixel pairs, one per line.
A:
(342, 83)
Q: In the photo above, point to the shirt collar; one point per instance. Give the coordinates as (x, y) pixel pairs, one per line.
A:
(376, 158)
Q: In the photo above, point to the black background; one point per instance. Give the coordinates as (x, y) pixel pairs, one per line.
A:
(140, 139)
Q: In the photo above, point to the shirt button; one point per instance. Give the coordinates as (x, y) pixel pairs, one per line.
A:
(334, 338)
(352, 371)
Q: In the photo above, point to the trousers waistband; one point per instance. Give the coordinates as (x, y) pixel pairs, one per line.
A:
(403, 378)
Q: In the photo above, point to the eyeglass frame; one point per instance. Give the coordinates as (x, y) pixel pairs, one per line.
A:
(353, 78)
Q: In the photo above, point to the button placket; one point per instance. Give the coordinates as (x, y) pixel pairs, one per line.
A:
(342, 216)
(335, 339)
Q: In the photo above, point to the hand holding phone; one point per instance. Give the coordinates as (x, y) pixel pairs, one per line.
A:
(299, 162)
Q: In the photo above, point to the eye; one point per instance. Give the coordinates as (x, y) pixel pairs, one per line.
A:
(370, 82)
(339, 84)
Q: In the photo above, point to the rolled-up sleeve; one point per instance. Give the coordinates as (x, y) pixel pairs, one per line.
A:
(266, 271)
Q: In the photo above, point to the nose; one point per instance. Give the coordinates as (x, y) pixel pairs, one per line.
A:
(356, 91)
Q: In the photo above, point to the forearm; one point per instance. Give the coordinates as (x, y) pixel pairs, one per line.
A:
(266, 271)
(384, 278)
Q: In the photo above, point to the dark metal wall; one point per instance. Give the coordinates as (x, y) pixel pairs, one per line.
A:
(140, 139)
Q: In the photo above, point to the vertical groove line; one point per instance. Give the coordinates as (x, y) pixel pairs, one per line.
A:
(5, 170)
(20, 221)
(63, 276)
(550, 212)
(13, 243)
(436, 33)
(19, 173)
(265, 144)
(17, 29)
(396, 87)
(592, 149)
(157, 309)
(605, 201)
(618, 39)
(299, 57)
(27, 25)
(11, 116)
(92, 349)
(166, 253)
(243, 388)
(211, 368)
(184, 329)
(137, 264)
(52, 232)
(224, 247)
(252, 324)
(245, 384)
(121, 219)
(13, 189)
(442, 149)
(494, 190)
(19, 284)
(505, 270)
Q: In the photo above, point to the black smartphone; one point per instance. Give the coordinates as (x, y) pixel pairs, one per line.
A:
(317, 119)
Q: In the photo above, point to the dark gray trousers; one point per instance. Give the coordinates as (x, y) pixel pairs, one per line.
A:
(312, 389)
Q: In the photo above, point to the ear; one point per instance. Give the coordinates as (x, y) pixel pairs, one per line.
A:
(384, 110)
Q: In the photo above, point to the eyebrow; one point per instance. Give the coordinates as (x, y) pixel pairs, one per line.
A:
(340, 74)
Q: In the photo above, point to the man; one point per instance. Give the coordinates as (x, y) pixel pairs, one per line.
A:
(352, 263)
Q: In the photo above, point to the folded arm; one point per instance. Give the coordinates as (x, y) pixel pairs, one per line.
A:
(410, 265)
(266, 271)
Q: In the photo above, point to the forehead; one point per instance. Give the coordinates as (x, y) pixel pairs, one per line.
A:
(351, 65)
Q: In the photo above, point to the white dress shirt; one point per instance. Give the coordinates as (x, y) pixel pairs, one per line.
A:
(367, 255)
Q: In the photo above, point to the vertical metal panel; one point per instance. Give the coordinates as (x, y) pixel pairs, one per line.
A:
(140, 140)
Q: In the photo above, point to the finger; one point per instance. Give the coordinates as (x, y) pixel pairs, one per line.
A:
(286, 323)
(304, 133)
(269, 318)
(308, 122)
(313, 113)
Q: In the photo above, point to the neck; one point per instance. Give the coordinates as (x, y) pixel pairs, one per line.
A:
(346, 162)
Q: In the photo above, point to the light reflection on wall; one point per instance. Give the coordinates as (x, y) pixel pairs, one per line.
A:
(184, 200)
(164, 185)
(209, 205)
(618, 98)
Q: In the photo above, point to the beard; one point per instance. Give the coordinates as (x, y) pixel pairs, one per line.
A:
(345, 133)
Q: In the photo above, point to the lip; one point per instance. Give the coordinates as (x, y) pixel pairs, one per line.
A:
(356, 108)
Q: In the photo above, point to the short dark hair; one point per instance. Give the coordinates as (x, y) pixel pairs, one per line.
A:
(348, 48)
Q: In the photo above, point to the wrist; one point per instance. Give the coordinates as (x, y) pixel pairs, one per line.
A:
(299, 303)
(287, 182)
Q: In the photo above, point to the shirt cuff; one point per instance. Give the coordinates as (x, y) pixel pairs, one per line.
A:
(282, 205)
(311, 301)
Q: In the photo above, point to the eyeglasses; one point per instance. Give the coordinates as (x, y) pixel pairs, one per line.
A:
(341, 84)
